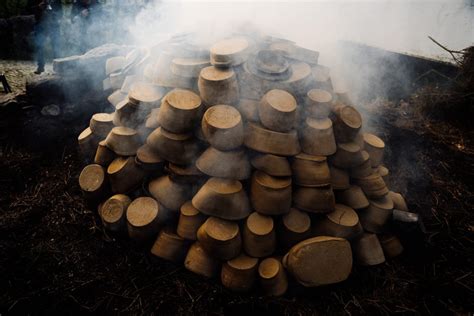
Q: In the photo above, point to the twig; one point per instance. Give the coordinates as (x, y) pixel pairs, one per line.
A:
(450, 51)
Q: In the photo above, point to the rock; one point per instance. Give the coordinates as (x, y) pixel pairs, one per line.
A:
(51, 110)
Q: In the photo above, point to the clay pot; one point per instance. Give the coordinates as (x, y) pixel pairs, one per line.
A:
(222, 127)
(101, 124)
(319, 261)
(124, 175)
(113, 213)
(200, 262)
(181, 149)
(115, 81)
(179, 111)
(170, 193)
(322, 78)
(277, 111)
(368, 251)
(224, 164)
(347, 124)
(170, 246)
(373, 186)
(249, 109)
(294, 227)
(87, 143)
(129, 114)
(391, 245)
(151, 122)
(383, 172)
(364, 169)
(220, 238)
(348, 155)
(270, 142)
(116, 97)
(230, 52)
(353, 197)
(375, 217)
(148, 160)
(314, 200)
(127, 84)
(339, 178)
(317, 137)
(123, 141)
(114, 64)
(223, 198)
(398, 200)
(188, 67)
(93, 182)
(145, 94)
(310, 171)
(239, 274)
(318, 103)
(299, 81)
(189, 174)
(375, 147)
(276, 166)
(258, 236)
(103, 156)
(218, 86)
(270, 195)
(144, 218)
(343, 222)
(273, 279)
(189, 221)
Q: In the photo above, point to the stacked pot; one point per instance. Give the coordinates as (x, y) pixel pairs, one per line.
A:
(239, 161)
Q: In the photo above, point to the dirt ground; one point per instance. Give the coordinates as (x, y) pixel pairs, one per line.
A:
(56, 257)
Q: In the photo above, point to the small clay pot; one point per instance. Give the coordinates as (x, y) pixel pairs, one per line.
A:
(343, 222)
(129, 114)
(318, 103)
(200, 262)
(248, 108)
(258, 235)
(317, 137)
(383, 172)
(223, 198)
(218, 86)
(179, 111)
(170, 246)
(104, 156)
(294, 227)
(114, 64)
(373, 186)
(310, 171)
(391, 245)
(322, 78)
(87, 142)
(339, 178)
(148, 160)
(116, 97)
(399, 202)
(145, 94)
(353, 197)
(115, 80)
(368, 251)
(189, 221)
(319, 261)
(123, 141)
(347, 124)
(224, 164)
(113, 213)
(222, 127)
(127, 84)
(375, 147)
(181, 149)
(270, 142)
(348, 155)
(270, 195)
(170, 193)
(299, 81)
(314, 200)
(277, 111)
(101, 124)
(93, 182)
(124, 175)
(144, 218)
(273, 279)
(188, 67)
(239, 274)
(375, 217)
(364, 169)
(220, 238)
(230, 52)
(276, 166)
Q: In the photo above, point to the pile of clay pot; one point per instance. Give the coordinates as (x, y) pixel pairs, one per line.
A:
(239, 161)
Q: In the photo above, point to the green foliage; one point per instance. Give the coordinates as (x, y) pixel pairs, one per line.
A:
(10, 8)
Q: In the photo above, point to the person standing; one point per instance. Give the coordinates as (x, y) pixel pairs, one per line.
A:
(48, 14)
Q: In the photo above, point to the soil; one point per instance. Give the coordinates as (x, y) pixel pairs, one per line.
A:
(57, 258)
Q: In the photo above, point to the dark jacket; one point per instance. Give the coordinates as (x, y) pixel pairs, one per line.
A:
(42, 13)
